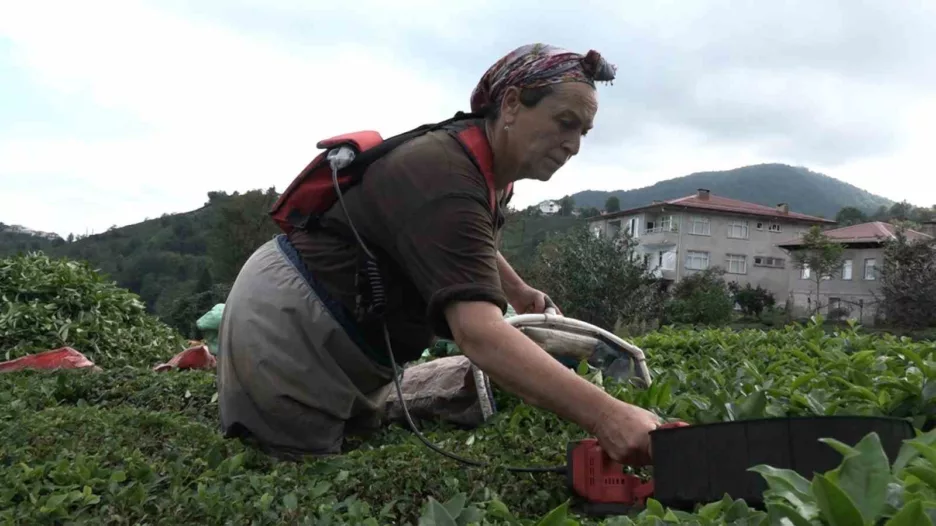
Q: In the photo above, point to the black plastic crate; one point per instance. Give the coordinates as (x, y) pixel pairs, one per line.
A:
(701, 463)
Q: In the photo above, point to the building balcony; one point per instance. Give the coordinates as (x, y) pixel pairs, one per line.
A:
(658, 236)
(660, 230)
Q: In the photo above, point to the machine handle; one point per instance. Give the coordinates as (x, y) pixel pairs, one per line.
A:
(550, 307)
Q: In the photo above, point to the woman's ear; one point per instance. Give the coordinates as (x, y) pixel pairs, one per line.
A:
(510, 105)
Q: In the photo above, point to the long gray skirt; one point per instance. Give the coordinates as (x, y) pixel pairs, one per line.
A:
(290, 377)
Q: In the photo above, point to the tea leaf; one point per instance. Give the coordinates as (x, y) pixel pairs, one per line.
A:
(910, 515)
(864, 475)
(837, 507)
(436, 515)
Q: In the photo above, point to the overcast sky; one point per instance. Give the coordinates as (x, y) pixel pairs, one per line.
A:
(113, 112)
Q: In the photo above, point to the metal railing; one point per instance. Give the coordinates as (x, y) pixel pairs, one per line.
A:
(660, 229)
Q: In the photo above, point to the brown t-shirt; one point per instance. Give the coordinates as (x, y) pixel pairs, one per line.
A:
(424, 210)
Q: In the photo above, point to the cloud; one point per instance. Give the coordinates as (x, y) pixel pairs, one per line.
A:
(216, 110)
(141, 108)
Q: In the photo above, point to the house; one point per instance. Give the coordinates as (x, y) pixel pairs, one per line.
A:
(549, 207)
(685, 235)
(20, 229)
(929, 228)
(852, 288)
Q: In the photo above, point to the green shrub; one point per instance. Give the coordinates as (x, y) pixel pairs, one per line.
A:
(596, 280)
(183, 312)
(907, 291)
(753, 301)
(701, 298)
(48, 303)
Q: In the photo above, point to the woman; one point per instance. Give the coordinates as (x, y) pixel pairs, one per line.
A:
(297, 370)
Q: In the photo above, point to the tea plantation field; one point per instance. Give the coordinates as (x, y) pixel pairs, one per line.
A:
(131, 446)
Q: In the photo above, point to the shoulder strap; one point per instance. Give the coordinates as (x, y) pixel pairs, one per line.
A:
(470, 135)
(365, 158)
(475, 142)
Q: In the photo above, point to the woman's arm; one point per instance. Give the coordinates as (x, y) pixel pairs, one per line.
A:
(510, 280)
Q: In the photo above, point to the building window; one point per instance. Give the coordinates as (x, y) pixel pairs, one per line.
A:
(847, 269)
(765, 261)
(869, 269)
(738, 230)
(632, 227)
(699, 226)
(697, 260)
(804, 273)
(737, 264)
(775, 227)
(760, 225)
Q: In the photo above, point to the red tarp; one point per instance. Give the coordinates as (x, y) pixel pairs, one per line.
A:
(192, 358)
(61, 358)
(198, 357)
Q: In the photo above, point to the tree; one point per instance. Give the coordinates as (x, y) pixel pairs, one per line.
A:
(901, 211)
(596, 280)
(850, 215)
(753, 301)
(881, 214)
(590, 211)
(702, 297)
(908, 282)
(820, 256)
(241, 226)
(204, 281)
(613, 204)
(566, 205)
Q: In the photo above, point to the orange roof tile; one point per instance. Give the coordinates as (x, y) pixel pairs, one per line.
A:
(723, 204)
(873, 232)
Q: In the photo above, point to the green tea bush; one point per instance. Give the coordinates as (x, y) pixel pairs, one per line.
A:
(131, 446)
(47, 303)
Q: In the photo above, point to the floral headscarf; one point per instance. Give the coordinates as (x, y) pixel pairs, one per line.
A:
(537, 65)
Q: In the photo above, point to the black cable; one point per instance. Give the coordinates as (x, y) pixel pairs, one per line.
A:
(396, 380)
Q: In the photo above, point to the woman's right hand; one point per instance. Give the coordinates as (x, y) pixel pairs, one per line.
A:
(624, 433)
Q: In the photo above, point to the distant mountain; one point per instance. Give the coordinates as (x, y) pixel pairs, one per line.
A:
(805, 191)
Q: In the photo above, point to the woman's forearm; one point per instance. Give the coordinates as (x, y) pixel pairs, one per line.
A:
(510, 280)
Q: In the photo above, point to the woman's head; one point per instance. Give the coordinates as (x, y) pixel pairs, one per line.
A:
(538, 101)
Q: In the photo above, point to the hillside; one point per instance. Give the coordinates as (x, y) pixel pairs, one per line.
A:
(768, 184)
(176, 262)
(182, 264)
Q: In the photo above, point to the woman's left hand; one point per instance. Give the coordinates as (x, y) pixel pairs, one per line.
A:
(527, 300)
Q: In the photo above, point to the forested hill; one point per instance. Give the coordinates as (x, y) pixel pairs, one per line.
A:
(182, 264)
(805, 191)
(179, 264)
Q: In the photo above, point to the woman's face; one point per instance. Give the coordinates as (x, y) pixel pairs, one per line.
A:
(541, 139)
